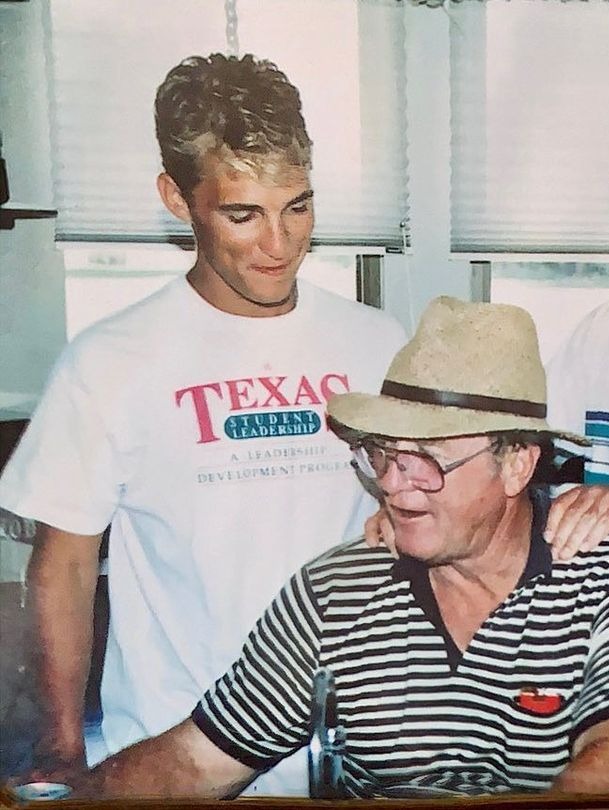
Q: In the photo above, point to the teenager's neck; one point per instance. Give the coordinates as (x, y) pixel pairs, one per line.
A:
(220, 296)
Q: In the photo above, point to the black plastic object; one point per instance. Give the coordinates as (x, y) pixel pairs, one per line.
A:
(327, 744)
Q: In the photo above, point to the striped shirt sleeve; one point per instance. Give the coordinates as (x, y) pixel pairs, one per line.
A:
(592, 706)
(259, 711)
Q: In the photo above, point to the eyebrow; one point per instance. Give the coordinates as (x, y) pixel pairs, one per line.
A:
(431, 448)
(306, 195)
(419, 447)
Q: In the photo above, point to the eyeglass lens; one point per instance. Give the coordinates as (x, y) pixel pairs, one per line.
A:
(423, 471)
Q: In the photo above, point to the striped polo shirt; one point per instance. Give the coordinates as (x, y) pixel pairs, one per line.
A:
(419, 713)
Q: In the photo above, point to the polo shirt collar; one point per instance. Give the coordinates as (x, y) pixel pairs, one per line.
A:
(538, 562)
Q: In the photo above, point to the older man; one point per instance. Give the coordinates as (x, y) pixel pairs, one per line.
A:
(473, 663)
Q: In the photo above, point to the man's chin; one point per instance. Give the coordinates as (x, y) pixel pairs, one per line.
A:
(414, 541)
(272, 303)
(279, 296)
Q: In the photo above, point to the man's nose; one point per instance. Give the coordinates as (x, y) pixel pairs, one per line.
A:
(274, 239)
(395, 481)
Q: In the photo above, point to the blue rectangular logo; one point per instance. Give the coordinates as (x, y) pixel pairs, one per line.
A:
(597, 429)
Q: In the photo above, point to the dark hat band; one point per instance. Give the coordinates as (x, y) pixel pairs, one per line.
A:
(476, 402)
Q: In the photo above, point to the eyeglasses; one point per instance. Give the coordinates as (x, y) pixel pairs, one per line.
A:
(421, 469)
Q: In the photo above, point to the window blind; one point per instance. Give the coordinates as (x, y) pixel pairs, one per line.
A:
(108, 57)
(530, 124)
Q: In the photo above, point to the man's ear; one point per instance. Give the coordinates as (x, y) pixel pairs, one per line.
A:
(517, 468)
(172, 197)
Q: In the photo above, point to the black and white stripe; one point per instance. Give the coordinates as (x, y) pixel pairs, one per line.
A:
(416, 711)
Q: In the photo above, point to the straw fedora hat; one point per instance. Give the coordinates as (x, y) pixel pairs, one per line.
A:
(470, 368)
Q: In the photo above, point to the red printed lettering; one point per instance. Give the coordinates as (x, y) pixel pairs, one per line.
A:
(307, 392)
(238, 394)
(276, 397)
(327, 390)
(199, 399)
(248, 393)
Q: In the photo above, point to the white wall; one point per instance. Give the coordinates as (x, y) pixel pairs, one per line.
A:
(428, 271)
(32, 320)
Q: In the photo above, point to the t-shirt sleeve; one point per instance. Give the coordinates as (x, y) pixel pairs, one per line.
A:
(592, 707)
(259, 711)
(565, 395)
(63, 469)
(575, 373)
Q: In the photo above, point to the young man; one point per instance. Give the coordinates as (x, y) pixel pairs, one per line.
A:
(194, 423)
(475, 663)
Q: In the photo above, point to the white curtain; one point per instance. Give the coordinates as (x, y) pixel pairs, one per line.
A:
(530, 126)
(109, 56)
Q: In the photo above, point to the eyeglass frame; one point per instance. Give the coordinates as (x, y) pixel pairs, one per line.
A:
(392, 456)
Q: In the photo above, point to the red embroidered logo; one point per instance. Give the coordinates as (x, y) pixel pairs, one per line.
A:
(539, 701)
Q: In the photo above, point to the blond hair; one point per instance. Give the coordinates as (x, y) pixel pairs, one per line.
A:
(245, 111)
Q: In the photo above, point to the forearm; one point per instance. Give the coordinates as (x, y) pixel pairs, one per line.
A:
(588, 772)
(61, 593)
(181, 762)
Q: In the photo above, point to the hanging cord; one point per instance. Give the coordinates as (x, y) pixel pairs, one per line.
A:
(411, 318)
(232, 27)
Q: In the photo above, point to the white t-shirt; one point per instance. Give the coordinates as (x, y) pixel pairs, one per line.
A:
(578, 389)
(201, 437)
